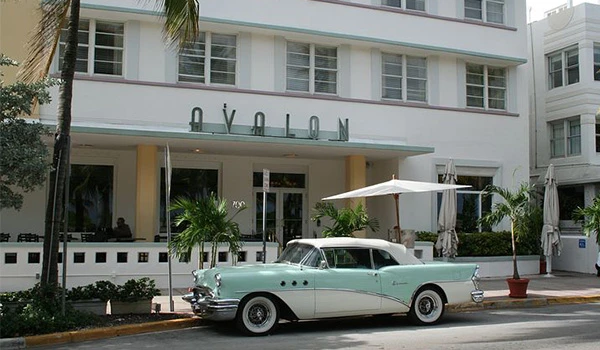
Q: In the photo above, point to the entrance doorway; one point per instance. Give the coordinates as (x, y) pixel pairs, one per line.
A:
(285, 207)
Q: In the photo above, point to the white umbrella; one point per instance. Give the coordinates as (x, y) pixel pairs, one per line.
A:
(550, 238)
(395, 187)
(447, 243)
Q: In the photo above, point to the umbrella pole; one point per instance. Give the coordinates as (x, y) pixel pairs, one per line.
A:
(398, 231)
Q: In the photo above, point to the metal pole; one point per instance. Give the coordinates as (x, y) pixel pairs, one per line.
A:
(264, 227)
(168, 214)
(66, 226)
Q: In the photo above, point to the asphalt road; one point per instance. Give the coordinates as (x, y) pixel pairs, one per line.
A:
(558, 327)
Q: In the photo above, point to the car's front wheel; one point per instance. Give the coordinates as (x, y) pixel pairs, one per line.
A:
(427, 308)
(257, 315)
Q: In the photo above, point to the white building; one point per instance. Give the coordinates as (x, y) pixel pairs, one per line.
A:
(565, 85)
(329, 95)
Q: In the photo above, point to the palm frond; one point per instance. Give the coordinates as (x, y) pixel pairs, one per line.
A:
(42, 44)
(181, 20)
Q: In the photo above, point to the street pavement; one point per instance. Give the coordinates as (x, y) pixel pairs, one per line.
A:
(545, 289)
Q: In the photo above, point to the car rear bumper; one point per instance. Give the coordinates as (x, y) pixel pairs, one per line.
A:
(477, 296)
(212, 309)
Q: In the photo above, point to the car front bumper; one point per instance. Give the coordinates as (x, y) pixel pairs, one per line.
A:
(212, 309)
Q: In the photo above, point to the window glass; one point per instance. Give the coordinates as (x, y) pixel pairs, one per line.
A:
(495, 11)
(191, 60)
(90, 197)
(486, 86)
(392, 76)
(572, 60)
(475, 85)
(557, 140)
(311, 68)
(288, 180)
(395, 79)
(416, 79)
(348, 258)
(563, 68)
(298, 66)
(565, 138)
(473, 9)
(223, 59)
(108, 52)
(471, 204)
(392, 3)
(418, 5)
(188, 183)
(381, 258)
(569, 198)
(574, 137)
(597, 136)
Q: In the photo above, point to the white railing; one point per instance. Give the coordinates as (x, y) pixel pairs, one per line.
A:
(21, 263)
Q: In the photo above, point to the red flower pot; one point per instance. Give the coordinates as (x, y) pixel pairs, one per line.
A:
(517, 288)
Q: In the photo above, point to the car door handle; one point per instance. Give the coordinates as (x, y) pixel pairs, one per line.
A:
(375, 274)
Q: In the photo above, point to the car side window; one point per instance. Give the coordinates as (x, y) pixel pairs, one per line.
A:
(348, 258)
(381, 258)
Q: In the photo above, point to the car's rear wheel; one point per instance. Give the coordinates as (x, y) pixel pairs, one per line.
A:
(427, 308)
(257, 315)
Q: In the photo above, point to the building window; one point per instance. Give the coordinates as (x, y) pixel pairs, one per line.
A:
(90, 198)
(404, 78)
(100, 257)
(471, 205)
(242, 256)
(211, 59)
(597, 136)
(563, 68)
(486, 87)
(163, 257)
(184, 258)
(121, 257)
(311, 68)
(597, 62)
(485, 10)
(11, 258)
(569, 198)
(222, 257)
(417, 5)
(78, 258)
(99, 48)
(33, 258)
(143, 257)
(565, 138)
(188, 183)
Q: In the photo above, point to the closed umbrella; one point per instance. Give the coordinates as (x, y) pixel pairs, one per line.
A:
(395, 187)
(550, 238)
(447, 243)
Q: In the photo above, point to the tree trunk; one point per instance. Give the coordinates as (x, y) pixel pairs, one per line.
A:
(58, 176)
(514, 251)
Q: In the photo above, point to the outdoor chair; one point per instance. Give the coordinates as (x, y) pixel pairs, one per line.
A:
(28, 237)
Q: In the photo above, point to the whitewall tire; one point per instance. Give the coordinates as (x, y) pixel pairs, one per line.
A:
(427, 308)
(257, 315)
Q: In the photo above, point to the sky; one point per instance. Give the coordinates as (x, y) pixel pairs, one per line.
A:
(536, 8)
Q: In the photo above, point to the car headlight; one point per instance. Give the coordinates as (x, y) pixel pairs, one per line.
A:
(218, 279)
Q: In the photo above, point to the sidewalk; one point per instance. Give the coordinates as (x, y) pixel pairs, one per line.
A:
(560, 288)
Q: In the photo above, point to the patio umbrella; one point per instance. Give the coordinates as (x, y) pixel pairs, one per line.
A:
(550, 238)
(395, 187)
(447, 243)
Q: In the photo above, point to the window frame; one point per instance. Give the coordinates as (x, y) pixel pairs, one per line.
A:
(91, 48)
(208, 58)
(596, 72)
(312, 68)
(486, 87)
(403, 4)
(481, 211)
(404, 77)
(562, 55)
(485, 11)
(566, 139)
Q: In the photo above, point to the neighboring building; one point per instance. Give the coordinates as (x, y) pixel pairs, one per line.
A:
(565, 85)
(328, 95)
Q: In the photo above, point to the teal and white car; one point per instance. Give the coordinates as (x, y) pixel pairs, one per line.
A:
(332, 277)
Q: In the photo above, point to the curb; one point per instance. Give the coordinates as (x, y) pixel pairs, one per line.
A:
(98, 333)
(523, 303)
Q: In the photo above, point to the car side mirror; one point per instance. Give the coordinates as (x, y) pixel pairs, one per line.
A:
(322, 265)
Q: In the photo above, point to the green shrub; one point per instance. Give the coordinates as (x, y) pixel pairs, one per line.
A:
(488, 243)
(136, 290)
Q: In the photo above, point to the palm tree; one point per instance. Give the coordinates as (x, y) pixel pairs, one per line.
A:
(345, 220)
(205, 220)
(181, 25)
(590, 216)
(514, 206)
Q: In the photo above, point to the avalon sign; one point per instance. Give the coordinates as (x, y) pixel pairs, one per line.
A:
(260, 129)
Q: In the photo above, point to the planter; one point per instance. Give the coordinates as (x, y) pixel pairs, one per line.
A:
(96, 306)
(15, 305)
(517, 288)
(130, 307)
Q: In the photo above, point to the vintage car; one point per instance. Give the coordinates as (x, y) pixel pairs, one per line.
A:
(332, 277)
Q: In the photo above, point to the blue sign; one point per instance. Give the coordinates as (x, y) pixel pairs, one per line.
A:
(581, 243)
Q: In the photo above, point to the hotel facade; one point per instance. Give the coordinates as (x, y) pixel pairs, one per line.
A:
(328, 95)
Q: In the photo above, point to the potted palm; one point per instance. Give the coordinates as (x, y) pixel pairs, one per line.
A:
(133, 297)
(345, 220)
(205, 220)
(515, 205)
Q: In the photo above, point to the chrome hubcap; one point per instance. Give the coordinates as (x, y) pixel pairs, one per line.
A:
(426, 306)
(258, 315)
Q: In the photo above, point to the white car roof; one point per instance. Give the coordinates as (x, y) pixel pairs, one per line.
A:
(398, 251)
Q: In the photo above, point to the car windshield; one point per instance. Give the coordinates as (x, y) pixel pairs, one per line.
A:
(298, 253)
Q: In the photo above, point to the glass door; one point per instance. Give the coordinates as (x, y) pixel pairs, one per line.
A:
(284, 217)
